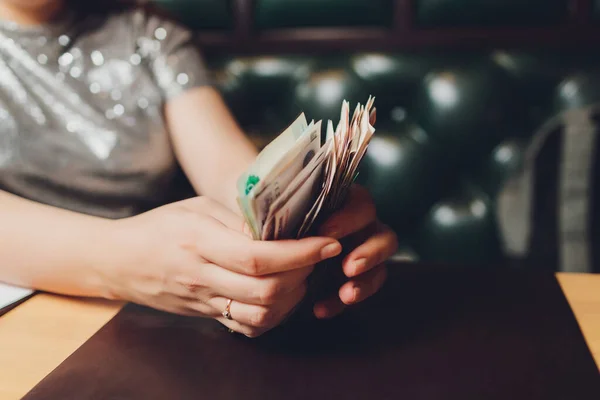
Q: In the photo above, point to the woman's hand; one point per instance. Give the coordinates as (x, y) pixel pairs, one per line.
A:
(365, 264)
(191, 257)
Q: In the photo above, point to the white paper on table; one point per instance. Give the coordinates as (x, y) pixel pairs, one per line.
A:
(12, 294)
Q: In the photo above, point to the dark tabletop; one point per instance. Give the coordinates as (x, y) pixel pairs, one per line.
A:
(432, 333)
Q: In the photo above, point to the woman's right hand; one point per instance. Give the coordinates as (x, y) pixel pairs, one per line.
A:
(190, 257)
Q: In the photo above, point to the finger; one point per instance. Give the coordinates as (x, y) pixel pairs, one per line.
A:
(236, 327)
(233, 325)
(174, 304)
(329, 308)
(358, 212)
(253, 320)
(377, 249)
(256, 257)
(363, 286)
(263, 290)
(219, 212)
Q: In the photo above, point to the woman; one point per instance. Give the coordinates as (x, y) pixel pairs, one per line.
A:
(96, 109)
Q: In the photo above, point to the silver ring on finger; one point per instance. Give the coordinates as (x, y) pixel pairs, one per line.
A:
(227, 312)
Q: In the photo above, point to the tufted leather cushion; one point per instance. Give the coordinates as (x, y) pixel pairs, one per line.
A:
(301, 13)
(490, 12)
(398, 170)
(460, 227)
(466, 105)
(260, 91)
(451, 128)
(501, 164)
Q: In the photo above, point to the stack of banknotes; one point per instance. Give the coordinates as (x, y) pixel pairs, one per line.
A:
(303, 176)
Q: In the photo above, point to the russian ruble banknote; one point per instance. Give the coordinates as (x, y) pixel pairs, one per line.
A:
(303, 176)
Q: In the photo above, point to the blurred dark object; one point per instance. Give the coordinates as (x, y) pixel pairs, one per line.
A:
(259, 26)
(269, 14)
(491, 12)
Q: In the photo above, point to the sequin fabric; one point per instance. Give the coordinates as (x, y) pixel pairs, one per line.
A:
(81, 109)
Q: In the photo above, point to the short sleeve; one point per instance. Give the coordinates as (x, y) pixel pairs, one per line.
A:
(169, 51)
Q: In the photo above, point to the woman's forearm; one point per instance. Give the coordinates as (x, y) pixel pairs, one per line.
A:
(210, 145)
(50, 249)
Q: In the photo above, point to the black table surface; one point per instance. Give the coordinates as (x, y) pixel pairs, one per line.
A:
(431, 333)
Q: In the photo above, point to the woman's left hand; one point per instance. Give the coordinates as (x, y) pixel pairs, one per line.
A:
(365, 264)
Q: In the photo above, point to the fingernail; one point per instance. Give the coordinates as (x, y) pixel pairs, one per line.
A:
(355, 293)
(331, 250)
(349, 294)
(359, 266)
(320, 311)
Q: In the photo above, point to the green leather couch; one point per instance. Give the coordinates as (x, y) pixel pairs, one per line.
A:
(452, 122)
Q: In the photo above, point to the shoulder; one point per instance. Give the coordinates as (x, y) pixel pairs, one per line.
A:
(166, 47)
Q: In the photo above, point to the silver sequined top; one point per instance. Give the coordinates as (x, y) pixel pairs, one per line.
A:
(81, 109)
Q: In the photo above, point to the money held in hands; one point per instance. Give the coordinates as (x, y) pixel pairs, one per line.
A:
(299, 177)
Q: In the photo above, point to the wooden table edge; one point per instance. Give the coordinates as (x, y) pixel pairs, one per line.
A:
(52, 316)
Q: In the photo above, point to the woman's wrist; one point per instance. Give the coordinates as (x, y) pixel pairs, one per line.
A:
(109, 255)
